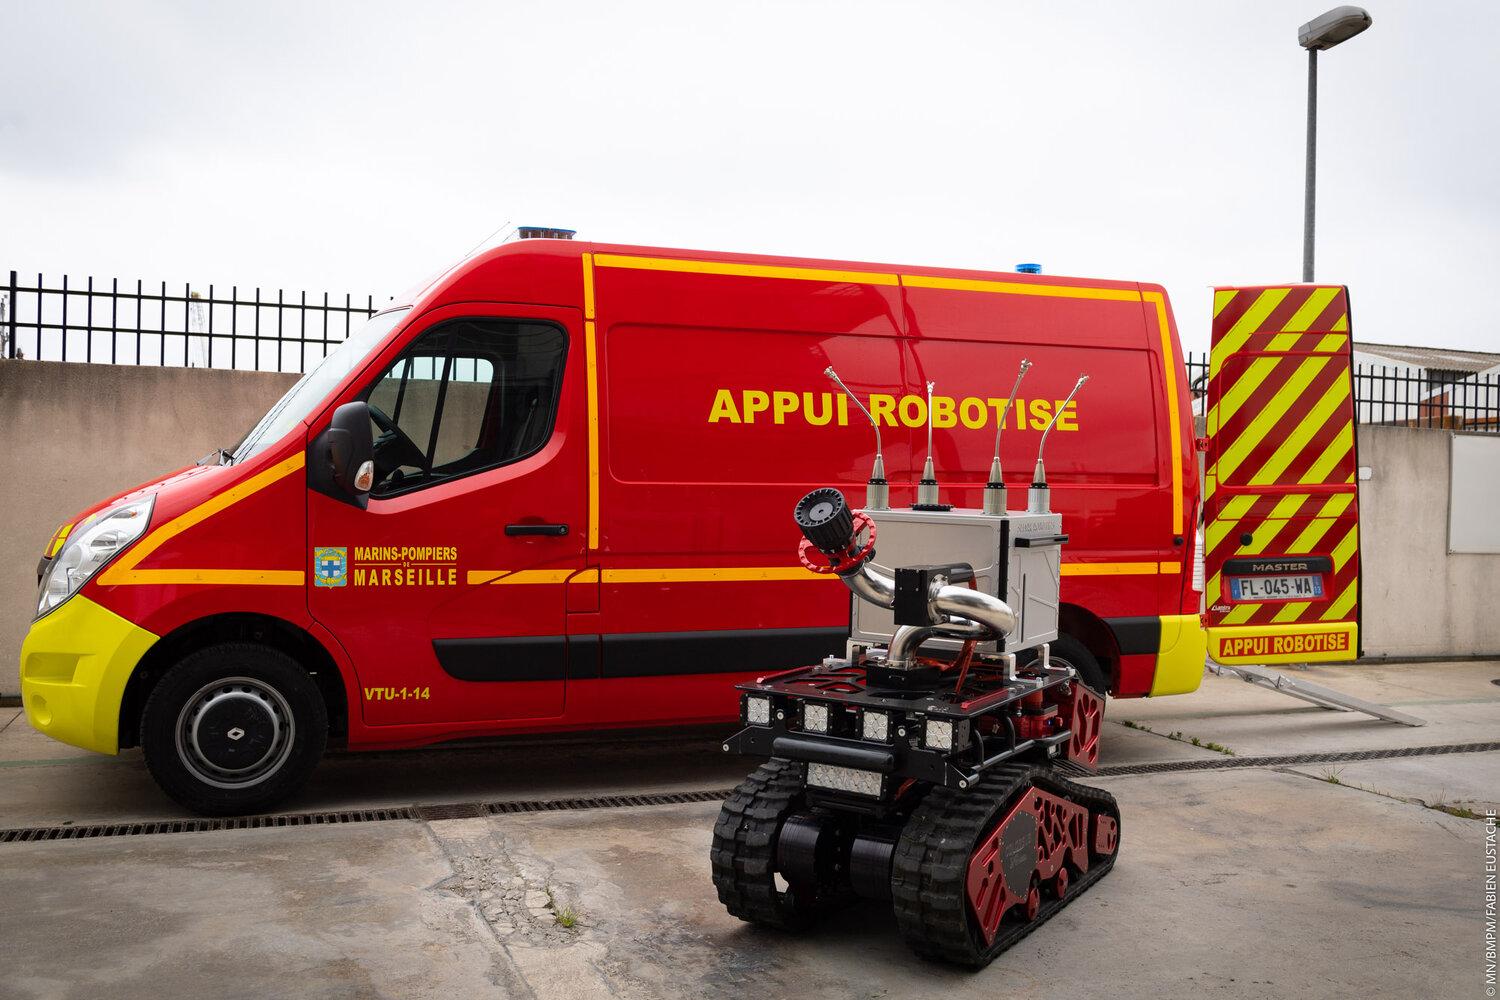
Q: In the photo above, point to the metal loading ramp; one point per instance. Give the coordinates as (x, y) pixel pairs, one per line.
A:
(1317, 694)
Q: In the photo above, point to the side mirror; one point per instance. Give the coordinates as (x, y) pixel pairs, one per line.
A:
(341, 461)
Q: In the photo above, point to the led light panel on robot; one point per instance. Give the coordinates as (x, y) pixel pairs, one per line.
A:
(844, 779)
(938, 734)
(875, 726)
(815, 717)
(758, 711)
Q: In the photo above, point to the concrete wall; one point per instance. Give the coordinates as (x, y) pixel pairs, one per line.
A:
(1419, 600)
(74, 434)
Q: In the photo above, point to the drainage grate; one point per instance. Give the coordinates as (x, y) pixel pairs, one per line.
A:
(95, 830)
(454, 810)
(470, 810)
(607, 802)
(1344, 757)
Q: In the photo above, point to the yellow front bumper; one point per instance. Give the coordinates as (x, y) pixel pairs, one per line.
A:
(1179, 660)
(75, 663)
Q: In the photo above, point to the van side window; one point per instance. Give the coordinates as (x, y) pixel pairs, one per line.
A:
(465, 396)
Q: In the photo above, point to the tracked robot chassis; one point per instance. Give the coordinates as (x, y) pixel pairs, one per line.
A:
(922, 767)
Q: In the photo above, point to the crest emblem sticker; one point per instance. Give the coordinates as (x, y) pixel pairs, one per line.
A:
(330, 567)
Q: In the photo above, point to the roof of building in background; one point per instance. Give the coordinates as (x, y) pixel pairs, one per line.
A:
(1432, 358)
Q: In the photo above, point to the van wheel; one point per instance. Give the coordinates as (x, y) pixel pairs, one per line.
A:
(233, 729)
(1066, 649)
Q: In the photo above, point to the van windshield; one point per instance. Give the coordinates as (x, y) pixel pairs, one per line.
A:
(312, 388)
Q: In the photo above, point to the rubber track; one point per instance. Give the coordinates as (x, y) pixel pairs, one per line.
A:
(930, 869)
(743, 854)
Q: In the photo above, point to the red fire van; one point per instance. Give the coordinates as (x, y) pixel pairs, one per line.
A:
(554, 490)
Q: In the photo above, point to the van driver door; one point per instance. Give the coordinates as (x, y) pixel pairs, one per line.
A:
(449, 591)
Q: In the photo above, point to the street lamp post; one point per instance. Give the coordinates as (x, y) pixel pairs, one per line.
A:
(1322, 32)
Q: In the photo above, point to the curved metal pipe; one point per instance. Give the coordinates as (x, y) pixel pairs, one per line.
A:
(975, 606)
(869, 583)
(972, 614)
(909, 638)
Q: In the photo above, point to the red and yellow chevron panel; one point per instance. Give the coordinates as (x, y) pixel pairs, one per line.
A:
(1281, 499)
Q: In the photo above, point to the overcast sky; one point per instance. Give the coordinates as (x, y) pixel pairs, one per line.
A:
(358, 147)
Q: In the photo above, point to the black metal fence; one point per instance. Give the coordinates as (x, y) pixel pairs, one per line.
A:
(156, 326)
(140, 325)
(1402, 397)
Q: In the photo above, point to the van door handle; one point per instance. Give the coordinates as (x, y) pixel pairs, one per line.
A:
(536, 529)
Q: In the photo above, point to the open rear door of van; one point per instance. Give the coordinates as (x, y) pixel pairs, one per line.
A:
(1281, 497)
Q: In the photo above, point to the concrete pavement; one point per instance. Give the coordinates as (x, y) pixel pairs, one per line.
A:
(1315, 880)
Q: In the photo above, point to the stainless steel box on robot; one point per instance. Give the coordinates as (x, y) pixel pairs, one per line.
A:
(1025, 575)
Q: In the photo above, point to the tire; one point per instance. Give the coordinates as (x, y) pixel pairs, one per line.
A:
(233, 729)
(1075, 654)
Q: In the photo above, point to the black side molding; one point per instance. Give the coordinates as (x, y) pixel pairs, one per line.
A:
(1136, 636)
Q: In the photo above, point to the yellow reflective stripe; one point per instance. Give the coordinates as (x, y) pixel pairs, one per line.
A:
(588, 286)
(1289, 505)
(742, 270)
(219, 577)
(1173, 418)
(729, 574)
(1235, 339)
(1273, 526)
(1231, 457)
(1340, 608)
(1222, 298)
(1281, 343)
(1296, 442)
(1239, 614)
(1311, 535)
(758, 574)
(1239, 506)
(479, 577)
(591, 378)
(1316, 302)
(721, 574)
(1340, 446)
(1291, 612)
(1320, 525)
(124, 570)
(1239, 391)
(1336, 505)
(1021, 288)
(1119, 569)
(1345, 550)
(1220, 526)
(1334, 343)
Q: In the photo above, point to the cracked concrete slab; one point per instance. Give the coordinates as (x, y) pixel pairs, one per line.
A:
(1252, 882)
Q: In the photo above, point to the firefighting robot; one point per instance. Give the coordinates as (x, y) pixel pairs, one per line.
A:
(928, 765)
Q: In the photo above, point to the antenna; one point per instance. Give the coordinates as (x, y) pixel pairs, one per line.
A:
(994, 490)
(1039, 496)
(877, 491)
(486, 239)
(927, 488)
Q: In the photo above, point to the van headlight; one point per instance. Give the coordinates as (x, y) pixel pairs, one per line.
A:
(89, 548)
